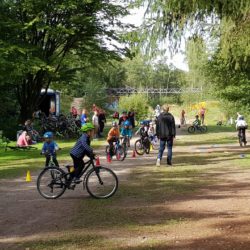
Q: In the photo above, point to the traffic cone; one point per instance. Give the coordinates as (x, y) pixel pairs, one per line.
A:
(97, 163)
(133, 155)
(108, 158)
(28, 176)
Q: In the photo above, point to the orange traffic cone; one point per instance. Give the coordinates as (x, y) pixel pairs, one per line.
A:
(108, 158)
(134, 154)
(97, 163)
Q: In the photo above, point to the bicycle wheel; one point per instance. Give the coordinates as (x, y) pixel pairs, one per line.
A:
(139, 148)
(146, 144)
(51, 183)
(101, 182)
(203, 129)
(191, 129)
(120, 154)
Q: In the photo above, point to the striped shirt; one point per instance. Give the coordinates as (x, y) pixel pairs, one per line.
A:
(82, 147)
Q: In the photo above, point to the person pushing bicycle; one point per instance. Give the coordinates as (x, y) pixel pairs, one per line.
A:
(113, 136)
(49, 148)
(81, 149)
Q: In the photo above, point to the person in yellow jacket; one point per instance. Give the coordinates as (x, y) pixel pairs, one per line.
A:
(113, 136)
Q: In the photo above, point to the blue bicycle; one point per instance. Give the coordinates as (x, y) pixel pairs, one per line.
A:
(116, 150)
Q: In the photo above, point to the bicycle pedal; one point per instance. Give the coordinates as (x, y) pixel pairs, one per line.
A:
(72, 186)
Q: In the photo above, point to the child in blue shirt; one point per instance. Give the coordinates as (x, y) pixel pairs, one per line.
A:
(126, 131)
(49, 148)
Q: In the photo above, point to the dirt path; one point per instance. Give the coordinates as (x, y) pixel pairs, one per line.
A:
(216, 217)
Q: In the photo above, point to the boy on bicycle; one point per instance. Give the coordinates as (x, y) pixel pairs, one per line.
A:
(143, 130)
(241, 126)
(197, 122)
(49, 148)
(113, 136)
(82, 148)
(126, 131)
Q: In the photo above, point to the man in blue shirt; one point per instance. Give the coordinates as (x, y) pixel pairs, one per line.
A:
(82, 148)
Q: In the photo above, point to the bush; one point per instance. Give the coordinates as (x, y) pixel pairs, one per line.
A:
(136, 102)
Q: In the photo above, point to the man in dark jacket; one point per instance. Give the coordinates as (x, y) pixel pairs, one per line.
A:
(165, 131)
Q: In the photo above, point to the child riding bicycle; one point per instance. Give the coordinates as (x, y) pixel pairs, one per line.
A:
(49, 148)
(197, 122)
(241, 126)
(81, 149)
(113, 136)
(126, 131)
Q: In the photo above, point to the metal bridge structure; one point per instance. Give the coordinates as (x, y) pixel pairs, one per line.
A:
(150, 91)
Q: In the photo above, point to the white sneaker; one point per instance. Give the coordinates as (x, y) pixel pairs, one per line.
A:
(158, 162)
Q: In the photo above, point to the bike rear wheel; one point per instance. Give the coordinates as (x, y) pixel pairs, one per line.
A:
(203, 129)
(139, 148)
(191, 129)
(51, 183)
(155, 143)
(101, 183)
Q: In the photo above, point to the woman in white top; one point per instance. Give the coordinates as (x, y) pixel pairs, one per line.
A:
(95, 122)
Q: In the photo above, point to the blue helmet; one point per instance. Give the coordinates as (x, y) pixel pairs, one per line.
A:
(48, 135)
(126, 123)
(241, 117)
(141, 122)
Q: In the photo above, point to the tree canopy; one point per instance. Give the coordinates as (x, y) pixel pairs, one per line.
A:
(41, 40)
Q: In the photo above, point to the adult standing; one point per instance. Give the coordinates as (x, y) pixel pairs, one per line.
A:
(102, 121)
(131, 117)
(95, 121)
(183, 119)
(165, 131)
(202, 115)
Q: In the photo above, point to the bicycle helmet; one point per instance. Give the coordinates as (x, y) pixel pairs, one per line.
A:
(87, 126)
(241, 117)
(48, 135)
(141, 122)
(126, 123)
(114, 123)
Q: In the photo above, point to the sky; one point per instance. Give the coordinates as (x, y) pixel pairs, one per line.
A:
(136, 18)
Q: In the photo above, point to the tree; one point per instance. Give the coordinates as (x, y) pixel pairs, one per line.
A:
(40, 38)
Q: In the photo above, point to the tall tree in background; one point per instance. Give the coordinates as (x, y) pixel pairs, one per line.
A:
(38, 36)
(229, 24)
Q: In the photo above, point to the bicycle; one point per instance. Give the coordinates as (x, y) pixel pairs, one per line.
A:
(117, 150)
(125, 144)
(201, 129)
(100, 182)
(242, 140)
(142, 145)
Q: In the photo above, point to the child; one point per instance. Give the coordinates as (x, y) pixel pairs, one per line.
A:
(143, 131)
(80, 149)
(49, 148)
(196, 122)
(151, 131)
(126, 131)
(24, 140)
(113, 136)
(241, 126)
